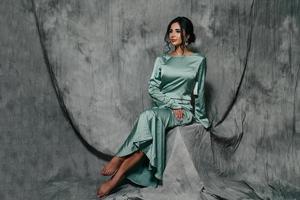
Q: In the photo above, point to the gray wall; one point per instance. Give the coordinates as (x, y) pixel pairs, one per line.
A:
(37, 144)
(101, 54)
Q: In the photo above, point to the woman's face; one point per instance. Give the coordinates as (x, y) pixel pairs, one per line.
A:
(174, 34)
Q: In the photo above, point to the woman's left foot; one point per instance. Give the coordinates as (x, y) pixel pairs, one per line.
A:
(104, 189)
(107, 186)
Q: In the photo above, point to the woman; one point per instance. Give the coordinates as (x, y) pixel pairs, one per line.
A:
(176, 77)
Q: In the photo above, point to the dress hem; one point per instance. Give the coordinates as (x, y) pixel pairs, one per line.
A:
(137, 145)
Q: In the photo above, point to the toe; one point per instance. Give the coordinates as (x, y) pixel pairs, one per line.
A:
(98, 193)
(103, 169)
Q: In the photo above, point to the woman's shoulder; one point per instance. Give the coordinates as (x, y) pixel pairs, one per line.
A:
(164, 57)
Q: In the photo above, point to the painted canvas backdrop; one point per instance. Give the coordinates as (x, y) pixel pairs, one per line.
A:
(99, 56)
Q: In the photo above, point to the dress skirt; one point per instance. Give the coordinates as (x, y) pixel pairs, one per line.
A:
(149, 136)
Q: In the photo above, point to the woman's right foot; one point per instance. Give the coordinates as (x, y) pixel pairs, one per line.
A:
(112, 167)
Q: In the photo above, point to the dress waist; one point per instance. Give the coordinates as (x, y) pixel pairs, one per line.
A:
(186, 103)
(179, 97)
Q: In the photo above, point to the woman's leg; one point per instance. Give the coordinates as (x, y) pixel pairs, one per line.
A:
(127, 164)
(155, 121)
(112, 166)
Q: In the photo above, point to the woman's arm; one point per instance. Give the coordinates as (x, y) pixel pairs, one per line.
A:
(199, 104)
(154, 88)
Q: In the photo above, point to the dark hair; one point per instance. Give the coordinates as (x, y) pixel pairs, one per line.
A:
(186, 25)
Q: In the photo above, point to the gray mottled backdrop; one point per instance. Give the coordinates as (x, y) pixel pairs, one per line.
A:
(73, 78)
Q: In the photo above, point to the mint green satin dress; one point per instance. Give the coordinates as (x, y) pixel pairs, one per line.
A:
(174, 79)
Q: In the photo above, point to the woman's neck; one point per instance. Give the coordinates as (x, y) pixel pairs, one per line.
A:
(178, 51)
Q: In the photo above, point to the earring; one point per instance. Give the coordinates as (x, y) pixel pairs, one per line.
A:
(186, 41)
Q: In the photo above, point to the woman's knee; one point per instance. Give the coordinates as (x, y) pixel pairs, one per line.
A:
(148, 113)
(161, 113)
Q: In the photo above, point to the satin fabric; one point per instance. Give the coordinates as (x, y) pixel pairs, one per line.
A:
(173, 80)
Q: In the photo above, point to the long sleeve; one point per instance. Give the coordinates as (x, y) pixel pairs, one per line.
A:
(154, 88)
(199, 104)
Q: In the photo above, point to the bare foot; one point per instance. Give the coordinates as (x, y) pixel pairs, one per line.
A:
(107, 186)
(104, 189)
(112, 167)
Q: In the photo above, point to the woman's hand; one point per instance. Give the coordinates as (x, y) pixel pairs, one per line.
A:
(179, 113)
